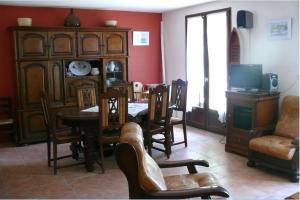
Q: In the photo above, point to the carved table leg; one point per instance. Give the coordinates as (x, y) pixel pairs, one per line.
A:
(91, 148)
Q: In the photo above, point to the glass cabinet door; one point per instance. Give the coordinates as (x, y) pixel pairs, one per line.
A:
(115, 69)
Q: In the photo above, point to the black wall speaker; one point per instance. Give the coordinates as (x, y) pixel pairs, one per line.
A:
(270, 82)
(244, 19)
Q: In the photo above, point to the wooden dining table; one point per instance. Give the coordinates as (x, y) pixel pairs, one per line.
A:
(87, 121)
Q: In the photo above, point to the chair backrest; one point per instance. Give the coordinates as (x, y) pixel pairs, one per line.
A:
(125, 86)
(288, 124)
(137, 89)
(179, 94)
(113, 109)
(158, 104)
(142, 172)
(5, 107)
(86, 97)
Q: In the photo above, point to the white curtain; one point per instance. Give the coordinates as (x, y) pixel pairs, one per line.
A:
(195, 64)
(217, 48)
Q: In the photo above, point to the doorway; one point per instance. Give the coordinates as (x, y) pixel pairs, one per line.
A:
(207, 36)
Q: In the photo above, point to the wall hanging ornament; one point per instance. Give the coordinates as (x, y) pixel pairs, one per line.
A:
(72, 20)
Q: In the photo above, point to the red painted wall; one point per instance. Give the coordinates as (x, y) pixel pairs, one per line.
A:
(144, 61)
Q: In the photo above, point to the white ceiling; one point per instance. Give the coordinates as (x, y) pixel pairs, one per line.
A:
(124, 5)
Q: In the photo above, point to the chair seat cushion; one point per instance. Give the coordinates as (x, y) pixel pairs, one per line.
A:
(190, 181)
(110, 136)
(276, 146)
(67, 136)
(153, 129)
(6, 121)
(175, 120)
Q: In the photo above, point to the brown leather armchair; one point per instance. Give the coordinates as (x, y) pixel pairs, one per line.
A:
(145, 179)
(281, 149)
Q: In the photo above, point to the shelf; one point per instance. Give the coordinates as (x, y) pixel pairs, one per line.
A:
(91, 76)
(114, 72)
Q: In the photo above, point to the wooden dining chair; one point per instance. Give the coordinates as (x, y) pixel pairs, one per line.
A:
(7, 122)
(178, 103)
(158, 119)
(56, 137)
(86, 96)
(113, 111)
(127, 87)
(137, 90)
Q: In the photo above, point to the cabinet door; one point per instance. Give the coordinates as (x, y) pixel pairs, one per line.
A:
(114, 43)
(72, 82)
(56, 87)
(114, 69)
(32, 127)
(89, 44)
(62, 44)
(32, 44)
(33, 79)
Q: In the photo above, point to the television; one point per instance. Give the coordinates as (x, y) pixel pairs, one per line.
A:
(245, 76)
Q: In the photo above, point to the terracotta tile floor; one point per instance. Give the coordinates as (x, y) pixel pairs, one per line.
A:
(24, 172)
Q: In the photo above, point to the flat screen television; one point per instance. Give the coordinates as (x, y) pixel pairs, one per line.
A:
(245, 76)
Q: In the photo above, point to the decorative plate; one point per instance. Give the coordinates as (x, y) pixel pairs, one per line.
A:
(80, 68)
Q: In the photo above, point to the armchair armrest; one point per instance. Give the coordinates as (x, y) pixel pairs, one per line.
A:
(190, 164)
(204, 192)
(295, 141)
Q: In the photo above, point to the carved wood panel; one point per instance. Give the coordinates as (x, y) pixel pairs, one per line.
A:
(89, 44)
(33, 79)
(72, 83)
(33, 126)
(32, 44)
(115, 43)
(62, 44)
(56, 86)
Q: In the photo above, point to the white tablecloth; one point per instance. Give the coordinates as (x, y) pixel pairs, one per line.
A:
(133, 108)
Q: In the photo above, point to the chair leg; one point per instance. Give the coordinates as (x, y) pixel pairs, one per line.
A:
(168, 143)
(184, 133)
(54, 157)
(172, 133)
(49, 151)
(102, 157)
(149, 141)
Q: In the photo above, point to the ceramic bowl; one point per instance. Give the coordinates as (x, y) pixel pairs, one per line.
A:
(24, 21)
(111, 22)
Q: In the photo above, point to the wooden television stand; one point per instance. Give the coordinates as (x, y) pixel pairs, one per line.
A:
(247, 114)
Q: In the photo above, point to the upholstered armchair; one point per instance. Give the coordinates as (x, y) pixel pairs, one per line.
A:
(280, 150)
(145, 178)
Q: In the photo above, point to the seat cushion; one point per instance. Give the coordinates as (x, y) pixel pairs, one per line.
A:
(111, 136)
(273, 145)
(6, 121)
(66, 136)
(189, 181)
(175, 120)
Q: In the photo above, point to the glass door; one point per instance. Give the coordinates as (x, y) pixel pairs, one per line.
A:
(206, 66)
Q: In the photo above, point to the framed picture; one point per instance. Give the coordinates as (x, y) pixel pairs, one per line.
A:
(140, 38)
(280, 29)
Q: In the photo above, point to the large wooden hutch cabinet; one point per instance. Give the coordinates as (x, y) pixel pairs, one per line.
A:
(42, 58)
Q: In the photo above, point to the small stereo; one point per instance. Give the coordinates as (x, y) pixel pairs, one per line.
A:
(270, 82)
